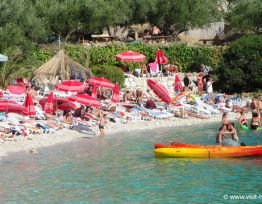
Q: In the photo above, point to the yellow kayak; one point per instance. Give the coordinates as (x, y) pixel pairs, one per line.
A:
(210, 151)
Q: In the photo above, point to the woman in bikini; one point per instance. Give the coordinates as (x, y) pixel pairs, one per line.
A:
(200, 83)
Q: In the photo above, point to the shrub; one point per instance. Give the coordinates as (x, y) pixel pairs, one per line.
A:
(113, 73)
(241, 69)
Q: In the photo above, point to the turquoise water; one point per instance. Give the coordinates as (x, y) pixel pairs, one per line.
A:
(123, 170)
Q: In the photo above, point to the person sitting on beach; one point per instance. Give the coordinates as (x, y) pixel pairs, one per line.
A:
(68, 118)
(127, 96)
(242, 119)
(79, 112)
(155, 31)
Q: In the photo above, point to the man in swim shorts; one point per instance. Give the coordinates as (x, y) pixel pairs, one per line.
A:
(101, 126)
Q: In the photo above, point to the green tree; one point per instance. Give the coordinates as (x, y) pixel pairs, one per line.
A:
(244, 15)
(241, 69)
(180, 15)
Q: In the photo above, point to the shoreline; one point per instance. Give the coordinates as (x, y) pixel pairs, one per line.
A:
(66, 135)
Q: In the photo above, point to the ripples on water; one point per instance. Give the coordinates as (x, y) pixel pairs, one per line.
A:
(123, 169)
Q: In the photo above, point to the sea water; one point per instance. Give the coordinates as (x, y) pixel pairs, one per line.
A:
(123, 169)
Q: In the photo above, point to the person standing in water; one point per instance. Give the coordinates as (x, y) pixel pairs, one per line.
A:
(101, 126)
(227, 128)
(242, 120)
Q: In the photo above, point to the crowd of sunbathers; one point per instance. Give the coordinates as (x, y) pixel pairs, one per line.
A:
(134, 105)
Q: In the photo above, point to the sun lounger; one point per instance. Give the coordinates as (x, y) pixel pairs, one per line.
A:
(158, 114)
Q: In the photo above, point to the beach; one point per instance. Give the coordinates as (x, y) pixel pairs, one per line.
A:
(33, 142)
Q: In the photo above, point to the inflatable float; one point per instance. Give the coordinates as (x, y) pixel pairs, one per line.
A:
(243, 127)
(208, 151)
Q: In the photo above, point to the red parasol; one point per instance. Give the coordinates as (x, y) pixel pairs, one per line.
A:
(160, 57)
(29, 105)
(94, 92)
(159, 90)
(178, 87)
(60, 103)
(85, 100)
(11, 107)
(16, 89)
(130, 56)
(49, 103)
(116, 94)
(71, 85)
(100, 81)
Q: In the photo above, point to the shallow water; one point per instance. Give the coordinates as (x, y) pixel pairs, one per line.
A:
(123, 170)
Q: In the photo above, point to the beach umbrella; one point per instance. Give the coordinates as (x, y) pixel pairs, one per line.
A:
(94, 92)
(3, 58)
(160, 57)
(71, 86)
(29, 106)
(16, 89)
(59, 103)
(85, 99)
(159, 90)
(130, 56)
(116, 94)
(49, 103)
(178, 87)
(11, 107)
(100, 81)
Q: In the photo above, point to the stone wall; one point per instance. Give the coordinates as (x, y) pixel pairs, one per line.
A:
(168, 81)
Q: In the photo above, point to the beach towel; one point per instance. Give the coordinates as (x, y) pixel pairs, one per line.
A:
(154, 68)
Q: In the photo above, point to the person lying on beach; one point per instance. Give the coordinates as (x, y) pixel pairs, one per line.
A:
(139, 97)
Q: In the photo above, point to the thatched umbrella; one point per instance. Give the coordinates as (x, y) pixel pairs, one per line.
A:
(60, 66)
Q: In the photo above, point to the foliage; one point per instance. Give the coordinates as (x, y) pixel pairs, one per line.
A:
(180, 15)
(180, 54)
(241, 67)
(113, 73)
(244, 15)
